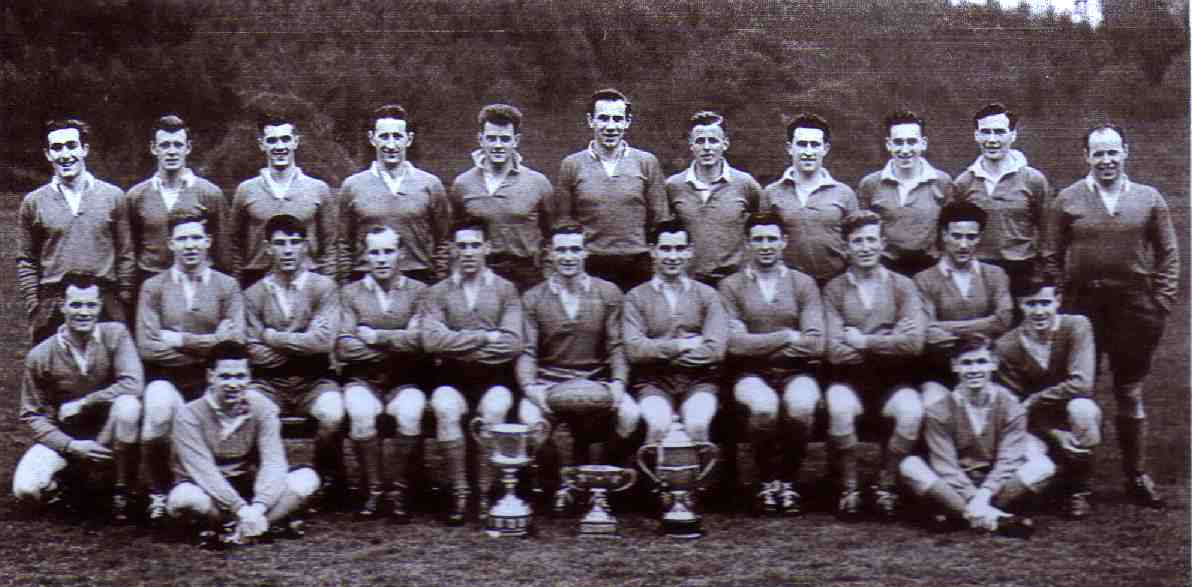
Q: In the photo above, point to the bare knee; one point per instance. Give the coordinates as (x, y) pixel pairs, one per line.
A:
(362, 409)
(933, 392)
(698, 412)
(328, 409)
(495, 403)
(407, 409)
(658, 415)
(303, 482)
(906, 409)
(802, 397)
(843, 409)
(189, 498)
(759, 398)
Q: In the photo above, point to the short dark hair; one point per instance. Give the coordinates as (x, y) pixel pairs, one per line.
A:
(1100, 127)
(566, 226)
(394, 111)
(611, 95)
(171, 123)
(177, 220)
(1035, 282)
(962, 211)
(707, 118)
(903, 117)
(971, 342)
(78, 281)
(500, 115)
(808, 120)
(764, 219)
(378, 229)
(65, 123)
(853, 222)
(671, 225)
(228, 350)
(270, 119)
(993, 109)
(286, 224)
(469, 223)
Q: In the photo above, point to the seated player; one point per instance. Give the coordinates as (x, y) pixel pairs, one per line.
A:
(292, 316)
(573, 331)
(182, 314)
(776, 338)
(80, 395)
(675, 332)
(960, 295)
(874, 324)
(378, 347)
(1049, 362)
(473, 321)
(231, 461)
(981, 460)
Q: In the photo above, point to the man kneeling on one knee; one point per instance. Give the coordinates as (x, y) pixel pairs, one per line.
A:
(981, 460)
(230, 459)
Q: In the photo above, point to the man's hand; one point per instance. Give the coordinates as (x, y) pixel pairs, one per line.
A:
(1067, 442)
(89, 450)
(617, 387)
(69, 410)
(269, 336)
(227, 331)
(536, 393)
(251, 521)
(497, 343)
(793, 337)
(171, 339)
(367, 334)
(940, 337)
(854, 338)
(981, 514)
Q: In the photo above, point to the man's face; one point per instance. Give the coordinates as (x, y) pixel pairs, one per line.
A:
(906, 145)
(66, 152)
(189, 243)
(472, 250)
(1107, 155)
(171, 149)
(865, 246)
(279, 143)
(288, 250)
(1039, 309)
(381, 252)
(671, 254)
(708, 144)
(960, 240)
(975, 368)
(609, 121)
(499, 142)
(390, 138)
(228, 381)
(80, 308)
(766, 243)
(994, 136)
(807, 149)
(569, 254)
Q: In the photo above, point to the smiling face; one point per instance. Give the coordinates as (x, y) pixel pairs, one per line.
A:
(609, 120)
(1039, 309)
(807, 149)
(974, 369)
(865, 246)
(569, 254)
(289, 251)
(960, 240)
(471, 250)
(280, 145)
(499, 142)
(170, 149)
(390, 140)
(671, 254)
(1106, 155)
(228, 380)
(906, 145)
(67, 153)
(708, 144)
(381, 252)
(994, 136)
(80, 308)
(189, 243)
(766, 243)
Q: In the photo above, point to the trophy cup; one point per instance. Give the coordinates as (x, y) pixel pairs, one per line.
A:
(597, 480)
(510, 516)
(677, 470)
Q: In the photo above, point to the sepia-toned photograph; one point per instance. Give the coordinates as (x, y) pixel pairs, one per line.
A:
(595, 292)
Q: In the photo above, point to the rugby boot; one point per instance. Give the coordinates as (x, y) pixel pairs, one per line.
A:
(789, 500)
(1141, 488)
(396, 502)
(1015, 527)
(848, 506)
(120, 505)
(766, 501)
(458, 512)
(1076, 505)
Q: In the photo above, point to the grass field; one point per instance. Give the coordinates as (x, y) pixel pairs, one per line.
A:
(1119, 545)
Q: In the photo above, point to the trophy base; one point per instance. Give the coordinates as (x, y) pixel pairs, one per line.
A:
(508, 527)
(681, 529)
(598, 529)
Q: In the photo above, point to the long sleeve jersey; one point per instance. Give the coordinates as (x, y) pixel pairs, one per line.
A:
(306, 324)
(308, 199)
(988, 309)
(559, 346)
(815, 243)
(458, 333)
(909, 226)
(968, 461)
(1071, 366)
(52, 377)
(652, 329)
(1014, 205)
(893, 322)
(148, 219)
(758, 327)
(715, 215)
(399, 342)
(514, 214)
(163, 305)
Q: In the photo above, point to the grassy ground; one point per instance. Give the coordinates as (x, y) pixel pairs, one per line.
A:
(1119, 545)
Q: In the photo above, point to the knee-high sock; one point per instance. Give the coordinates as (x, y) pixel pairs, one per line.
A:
(764, 439)
(368, 454)
(455, 456)
(895, 449)
(942, 495)
(844, 456)
(793, 446)
(1132, 439)
(328, 455)
(128, 461)
(484, 468)
(156, 453)
(398, 463)
(620, 449)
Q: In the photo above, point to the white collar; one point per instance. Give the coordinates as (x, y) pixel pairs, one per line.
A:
(178, 276)
(404, 170)
(754, 274)
(694, 180)
(1015, 161)
(983, 399)
(926, 174)
(295, 284)
(621, 150)
(657, 283)
(479, 158)
(186, 177)
(64, 339)
(555, 285)
(822, 179)
(883, 275)
(945, 266)
(486, 278)
(86, 180)
(1096, 188)
(1028, 333)
(371, 284)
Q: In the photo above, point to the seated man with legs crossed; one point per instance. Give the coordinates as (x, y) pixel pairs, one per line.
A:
(776, 340)
(230, 459)
(182, 314)
(80, 395)
(874, 323)
(981, 460)
(379, 346)
(292, 317)
(675, 331)
(572, 329)
(1049, 362)
(473, 321)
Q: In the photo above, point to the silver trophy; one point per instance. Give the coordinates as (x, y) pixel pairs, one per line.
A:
(509, 516)
(597, 480)
(676, 468)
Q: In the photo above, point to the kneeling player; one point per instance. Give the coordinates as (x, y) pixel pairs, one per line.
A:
(573, 331)
(1049, 362)
(80, 394)
(379, 347)
(874, 323)
(981, 460)
(292, 317)
(777, 338)
(473, 321)
(231, 461)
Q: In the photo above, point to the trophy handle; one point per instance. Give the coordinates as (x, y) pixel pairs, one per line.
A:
(708, 447)
(641, 461)
(567, 474)
(479, 429)
(541, 430)
(632, 475)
